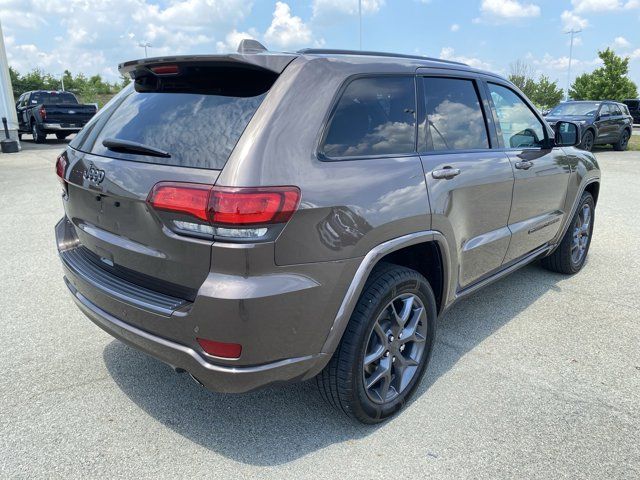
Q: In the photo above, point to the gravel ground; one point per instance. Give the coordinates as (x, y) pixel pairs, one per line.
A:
(536, 376)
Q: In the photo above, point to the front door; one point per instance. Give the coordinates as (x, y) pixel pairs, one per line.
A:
(541, 173)
(469, 185)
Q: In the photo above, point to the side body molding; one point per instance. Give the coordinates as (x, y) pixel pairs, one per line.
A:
(365, 268)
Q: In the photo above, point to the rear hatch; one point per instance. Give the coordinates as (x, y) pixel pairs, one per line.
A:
(187, 114)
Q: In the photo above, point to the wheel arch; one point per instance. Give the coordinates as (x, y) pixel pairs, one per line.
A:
(406, 251)
(594, 189)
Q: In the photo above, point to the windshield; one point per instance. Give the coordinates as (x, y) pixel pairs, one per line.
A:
(575, 109)
(53, 98)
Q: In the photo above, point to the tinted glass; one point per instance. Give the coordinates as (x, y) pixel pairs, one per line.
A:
(53, 98)
(588, 109)
(454, 116)
(197, 130)
(615, 109)
(518, 124)
(375, 116)
(633, 104)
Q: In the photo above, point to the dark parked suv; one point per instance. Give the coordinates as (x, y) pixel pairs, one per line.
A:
(601, 122)
(256, 218)
(634, 108)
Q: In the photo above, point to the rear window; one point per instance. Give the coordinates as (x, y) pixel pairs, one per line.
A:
(375, 116)
(53, 98)
(197, 117)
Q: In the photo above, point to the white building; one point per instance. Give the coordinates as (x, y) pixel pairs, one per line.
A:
(7, 103)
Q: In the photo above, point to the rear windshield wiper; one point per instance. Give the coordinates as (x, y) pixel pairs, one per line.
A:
(125, 146)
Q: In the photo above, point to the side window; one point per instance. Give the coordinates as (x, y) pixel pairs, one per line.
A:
(454, 119)
(605, 110)
(375, 116)
(519, 126)
(615, 110)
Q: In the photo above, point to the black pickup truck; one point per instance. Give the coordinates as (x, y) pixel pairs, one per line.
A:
(42, 112)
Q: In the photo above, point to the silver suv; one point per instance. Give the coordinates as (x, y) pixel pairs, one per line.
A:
(259, 217)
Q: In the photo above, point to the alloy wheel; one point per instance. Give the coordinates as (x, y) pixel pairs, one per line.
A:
(581, 232)
(395, 348)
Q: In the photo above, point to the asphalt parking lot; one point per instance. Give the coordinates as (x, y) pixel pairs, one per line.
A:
(536, 376)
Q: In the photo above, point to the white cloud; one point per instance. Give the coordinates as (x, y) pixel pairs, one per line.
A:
(621, 42)
(584, 6)
(286, 30)
(572, 21)
(94, 36)
(327, 9)
(500, 10)
(448, 53)
(635, 55)
(232, 40)
(455, 27)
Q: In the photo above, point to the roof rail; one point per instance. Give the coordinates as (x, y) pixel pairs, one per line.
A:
(329, 51)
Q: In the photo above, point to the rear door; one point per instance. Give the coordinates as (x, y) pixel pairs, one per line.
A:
(541, 172)
(196, 117)
(470, 185)
(606, 123)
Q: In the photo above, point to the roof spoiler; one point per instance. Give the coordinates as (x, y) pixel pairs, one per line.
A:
(250, 53)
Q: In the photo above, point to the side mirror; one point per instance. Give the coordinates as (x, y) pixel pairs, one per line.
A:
(567, 134)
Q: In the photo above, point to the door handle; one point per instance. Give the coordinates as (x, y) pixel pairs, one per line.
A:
(526, 165)
(446, 173)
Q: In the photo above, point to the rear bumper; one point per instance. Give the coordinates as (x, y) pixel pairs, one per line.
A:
(218, 378)
(281, 319)
(58, 127)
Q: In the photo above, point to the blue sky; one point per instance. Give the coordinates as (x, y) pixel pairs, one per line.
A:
(93, 36)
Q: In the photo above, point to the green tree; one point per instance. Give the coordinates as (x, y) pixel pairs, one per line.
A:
(522, 77)
(88, 90)
(609, 82)
(547, 94)
(541, 91)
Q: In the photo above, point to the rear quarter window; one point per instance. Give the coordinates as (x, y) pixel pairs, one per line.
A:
(374, 116)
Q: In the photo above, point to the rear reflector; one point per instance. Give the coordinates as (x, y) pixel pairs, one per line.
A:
(220, 349)
(227, 206)
(43, 113)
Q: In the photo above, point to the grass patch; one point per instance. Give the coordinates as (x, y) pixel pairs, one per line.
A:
(634, 143)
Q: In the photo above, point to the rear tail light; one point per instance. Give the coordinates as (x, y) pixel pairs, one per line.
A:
(42, 112)
(252, 206)
(61, 167)
(189, 198)
(238, 212)
(220, 349)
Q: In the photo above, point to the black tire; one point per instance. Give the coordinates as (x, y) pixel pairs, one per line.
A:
(20, 136)
(622, 144)
(587, 141)
(61, 136)
(342, 382)
(563, 259)
(38, 135)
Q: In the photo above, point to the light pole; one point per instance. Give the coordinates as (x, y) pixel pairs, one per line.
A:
(145, 45)
(360, 21)
(572, 32)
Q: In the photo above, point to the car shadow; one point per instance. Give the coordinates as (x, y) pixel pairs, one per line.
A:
(282, 423)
